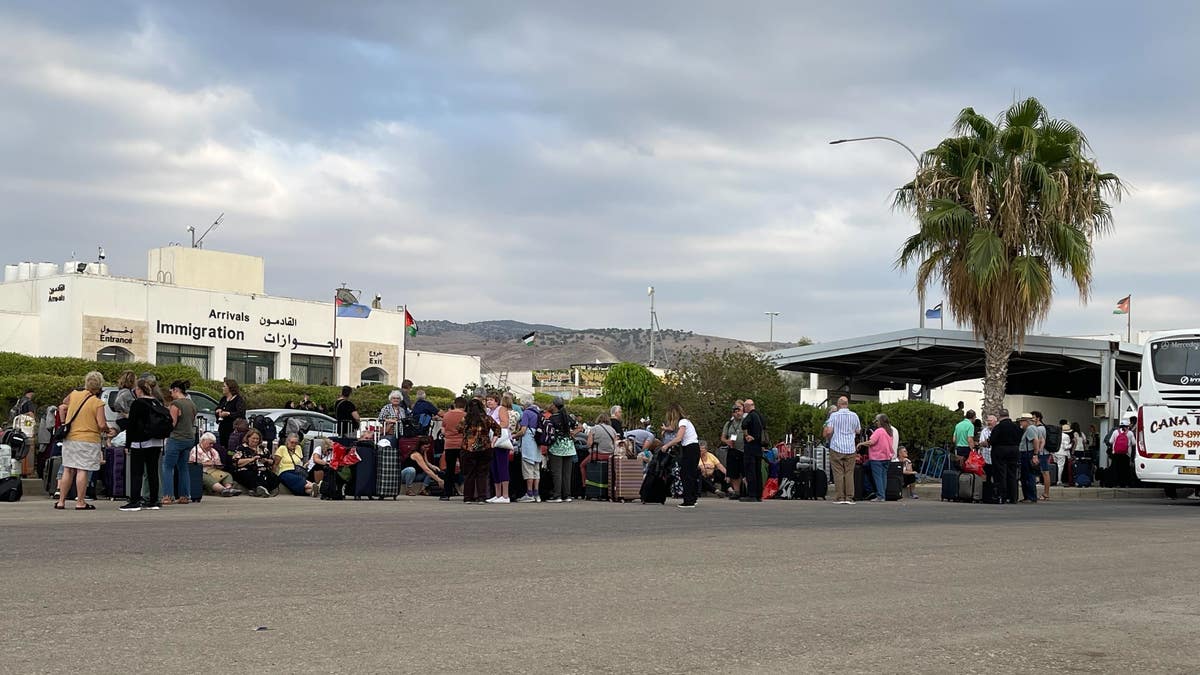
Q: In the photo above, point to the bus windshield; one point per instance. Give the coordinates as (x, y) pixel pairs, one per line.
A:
(1176, 361)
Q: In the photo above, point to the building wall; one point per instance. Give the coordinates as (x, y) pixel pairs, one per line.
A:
(204, 269)
(452, 371)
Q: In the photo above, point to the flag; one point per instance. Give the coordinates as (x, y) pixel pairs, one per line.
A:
(528, 339)
(410, 324)
(351, 310)
(935, 313)
(1122, 305)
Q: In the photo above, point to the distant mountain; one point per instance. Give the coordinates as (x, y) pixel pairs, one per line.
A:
(499, 344)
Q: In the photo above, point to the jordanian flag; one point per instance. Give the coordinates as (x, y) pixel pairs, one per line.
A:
(1122, 305)
(410, 324)
(528, 339)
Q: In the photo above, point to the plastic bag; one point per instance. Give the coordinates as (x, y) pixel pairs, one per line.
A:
(771, 488)
(974, 463)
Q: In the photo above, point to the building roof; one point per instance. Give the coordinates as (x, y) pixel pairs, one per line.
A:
(1044, 366)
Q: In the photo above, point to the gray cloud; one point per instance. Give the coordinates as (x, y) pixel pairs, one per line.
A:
(546, 162)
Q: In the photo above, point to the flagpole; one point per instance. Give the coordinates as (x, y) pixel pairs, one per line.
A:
(1129, 321)
(334, 345)
(404, 344)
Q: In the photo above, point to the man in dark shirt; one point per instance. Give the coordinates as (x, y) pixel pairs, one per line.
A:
(346, 414)
(753, 429)
(1004, 441)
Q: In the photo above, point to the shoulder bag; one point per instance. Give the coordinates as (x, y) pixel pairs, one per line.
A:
(60, 433)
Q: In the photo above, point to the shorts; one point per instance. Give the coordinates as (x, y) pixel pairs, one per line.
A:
(733, 464)
(909, 479)
(531, 471)
(1044, 461)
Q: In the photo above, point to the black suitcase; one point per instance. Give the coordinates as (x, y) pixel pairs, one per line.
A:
(804, 484)
(950, 485)
(1082, 470)
(654, 490)
(364, 476)
(860, 490)
(820, 484)
(597, 480)
(895, 479)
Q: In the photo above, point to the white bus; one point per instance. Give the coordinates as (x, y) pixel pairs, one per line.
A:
(1168, 427)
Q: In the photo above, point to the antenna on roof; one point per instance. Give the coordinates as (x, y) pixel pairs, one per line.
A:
(199, 243)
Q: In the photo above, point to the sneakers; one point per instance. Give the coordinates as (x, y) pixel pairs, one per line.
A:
(262, 491)
(152, 507)
(491, 500)
(554, 501)
(501, 500)
(527, 499)
(227, 492)
(914, 497)
(538, 499)
(568, 500)
(687, 506)
(130, 506)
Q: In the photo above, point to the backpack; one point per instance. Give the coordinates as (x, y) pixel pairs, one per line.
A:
(1053, 438)
(296, 425)
(546, 433)
(158, 422)
(1121, 443)
(265, 427)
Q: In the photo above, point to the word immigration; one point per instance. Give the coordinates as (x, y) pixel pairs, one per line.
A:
(199, 332)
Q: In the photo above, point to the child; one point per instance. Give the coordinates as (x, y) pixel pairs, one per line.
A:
(910, 474)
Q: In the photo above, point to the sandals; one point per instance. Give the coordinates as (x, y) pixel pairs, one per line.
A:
(85, 507)
(58, 507)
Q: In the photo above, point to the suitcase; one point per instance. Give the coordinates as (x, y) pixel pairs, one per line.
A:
(970, 488)
(895, 479)
(115, 472)
(820, 484)
(50, 477)
(596, 486)
(387, 469)
(1083, 471)
(860, 490)
(11, 489)
(653, 490)
(195, 482)
(363, 475)
(626, 479)
(804, 484)
(950, 485)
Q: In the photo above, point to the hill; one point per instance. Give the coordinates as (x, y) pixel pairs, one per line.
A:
(499, 344)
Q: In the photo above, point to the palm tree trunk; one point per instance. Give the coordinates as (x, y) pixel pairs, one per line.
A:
(996, 350)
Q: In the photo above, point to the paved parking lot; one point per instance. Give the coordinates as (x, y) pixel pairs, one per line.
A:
(423, 586)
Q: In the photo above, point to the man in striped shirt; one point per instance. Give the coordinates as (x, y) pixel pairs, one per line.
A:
(841, 430)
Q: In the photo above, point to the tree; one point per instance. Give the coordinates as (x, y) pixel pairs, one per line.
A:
(706, 383)
(1001, 207)
(631, 386)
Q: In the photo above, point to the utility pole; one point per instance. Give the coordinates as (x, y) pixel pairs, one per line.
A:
(771, 316)
(650, 292)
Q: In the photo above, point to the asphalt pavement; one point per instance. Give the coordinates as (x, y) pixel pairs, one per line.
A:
(423, 586)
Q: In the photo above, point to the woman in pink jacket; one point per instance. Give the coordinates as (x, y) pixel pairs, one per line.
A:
(879, 455)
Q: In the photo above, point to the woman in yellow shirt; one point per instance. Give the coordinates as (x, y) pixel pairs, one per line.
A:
(81, 448)
(289, 466)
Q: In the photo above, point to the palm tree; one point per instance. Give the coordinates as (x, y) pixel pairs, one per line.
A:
(1002, 207)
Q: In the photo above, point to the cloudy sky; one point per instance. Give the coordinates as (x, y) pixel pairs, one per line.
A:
(546, 161)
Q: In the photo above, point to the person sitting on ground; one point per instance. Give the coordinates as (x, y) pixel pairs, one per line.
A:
(289, 466)
(908, 472)
(216, 479)
(712, 472)
(252, 466)
(240, 427)
(415, 465)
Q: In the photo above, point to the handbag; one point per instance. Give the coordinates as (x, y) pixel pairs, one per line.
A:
(974, 463)
(60, 432)
(504, 442)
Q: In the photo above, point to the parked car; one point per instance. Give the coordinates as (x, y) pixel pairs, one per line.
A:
(320, 425)
(206, 407)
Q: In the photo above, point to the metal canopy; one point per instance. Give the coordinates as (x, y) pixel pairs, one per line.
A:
(1073, 368)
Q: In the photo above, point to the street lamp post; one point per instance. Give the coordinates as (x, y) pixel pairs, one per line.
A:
(920, 305)
(771, 316)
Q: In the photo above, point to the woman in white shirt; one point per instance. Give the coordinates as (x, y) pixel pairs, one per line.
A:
(684, 435)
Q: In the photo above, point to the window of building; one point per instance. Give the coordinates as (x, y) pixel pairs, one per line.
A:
(118, 354)
(373, 375)
(187, 355)
(312, 369)
(248, 367)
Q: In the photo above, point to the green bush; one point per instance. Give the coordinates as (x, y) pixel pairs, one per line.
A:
(922, 424)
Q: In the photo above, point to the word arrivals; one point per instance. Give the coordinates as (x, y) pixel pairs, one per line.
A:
(198, 332)
(228, 316)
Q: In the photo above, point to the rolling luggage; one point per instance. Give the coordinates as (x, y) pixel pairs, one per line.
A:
(626, 479)
(11, 489)
(596, 486)
(860, 490)
(1083, 471)
(654, 490)
(804, 484)
(363, 475)
(950, 485)
(895, 479)
(332, 486)
(820, 484)
(50, 477)
(387, 469)
(970, 487)
(115, 472)
(195, 482)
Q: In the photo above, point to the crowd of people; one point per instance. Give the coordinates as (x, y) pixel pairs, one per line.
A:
(470, 449)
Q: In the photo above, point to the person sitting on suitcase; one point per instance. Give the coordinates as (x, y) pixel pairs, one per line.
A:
(908, 472)
(216, 479)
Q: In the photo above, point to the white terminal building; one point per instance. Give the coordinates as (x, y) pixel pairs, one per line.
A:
(210, 310)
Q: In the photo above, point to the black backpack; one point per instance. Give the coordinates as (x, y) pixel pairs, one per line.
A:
(265, 427)
(157, 423)
(1053, 438)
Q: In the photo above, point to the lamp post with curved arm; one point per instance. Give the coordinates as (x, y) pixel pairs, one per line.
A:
(921, 306)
